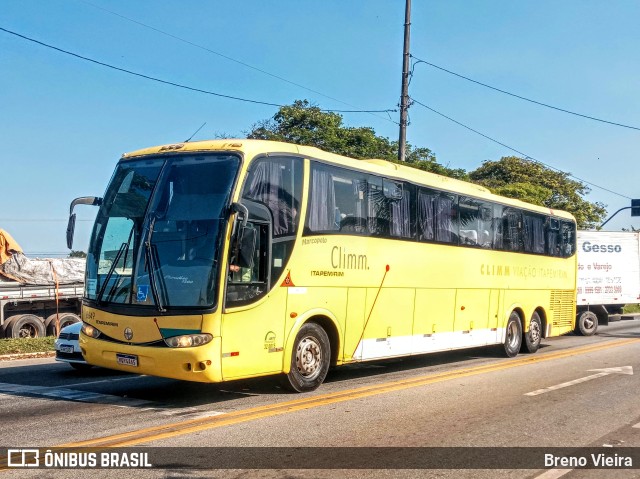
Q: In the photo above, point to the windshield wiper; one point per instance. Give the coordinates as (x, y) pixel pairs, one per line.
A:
(123, 247)
(151, 263)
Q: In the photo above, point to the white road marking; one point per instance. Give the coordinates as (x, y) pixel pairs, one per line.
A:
(553, 473)
(107, 399)
(73, 395)
(637, 426)
(192, 413)
(603, 372)
(91, 383)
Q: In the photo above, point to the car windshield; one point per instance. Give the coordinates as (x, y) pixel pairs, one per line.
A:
(158, 234)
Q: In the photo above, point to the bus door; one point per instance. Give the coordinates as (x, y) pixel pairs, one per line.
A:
(253, 316)
(253, 320)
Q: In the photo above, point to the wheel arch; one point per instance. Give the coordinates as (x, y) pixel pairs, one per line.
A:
(516, 308)
(326, 321)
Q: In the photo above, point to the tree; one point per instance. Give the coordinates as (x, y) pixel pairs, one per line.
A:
(305, 124)
(77, 254)
(532, 182)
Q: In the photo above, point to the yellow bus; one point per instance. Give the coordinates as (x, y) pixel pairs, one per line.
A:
(219, 260)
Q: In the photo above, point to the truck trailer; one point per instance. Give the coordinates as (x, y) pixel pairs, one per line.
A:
(608, 276)
(37, 296)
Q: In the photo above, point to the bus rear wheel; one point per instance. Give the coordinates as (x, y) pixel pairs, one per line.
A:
(309, 359)
(533, 338)
(513, 336)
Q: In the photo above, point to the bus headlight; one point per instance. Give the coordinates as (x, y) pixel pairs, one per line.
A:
(188, 340)
(90, 331)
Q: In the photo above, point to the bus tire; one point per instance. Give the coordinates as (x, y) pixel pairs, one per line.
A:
(310, 359)
(65, 320)
(25, 326)
(533, 337)
(587, 323)
(513, 336)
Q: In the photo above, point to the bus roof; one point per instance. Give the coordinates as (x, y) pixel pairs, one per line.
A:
(381, 167)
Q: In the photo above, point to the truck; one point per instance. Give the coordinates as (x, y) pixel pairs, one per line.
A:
(608, 276)
(37, 296)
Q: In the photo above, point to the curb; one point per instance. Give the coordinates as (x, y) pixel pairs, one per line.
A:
(12, 357)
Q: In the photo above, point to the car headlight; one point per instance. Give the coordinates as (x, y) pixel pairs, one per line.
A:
(90, 331)
(188, 340)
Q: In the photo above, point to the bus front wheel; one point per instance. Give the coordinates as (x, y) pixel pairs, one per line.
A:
(533, 338)
(309, 359)
(513, 336)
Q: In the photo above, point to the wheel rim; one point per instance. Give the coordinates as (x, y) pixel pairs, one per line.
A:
(534, 332)
(27, 331)
(512, 335)
(309, 357)
(588, 323)
(65, 323)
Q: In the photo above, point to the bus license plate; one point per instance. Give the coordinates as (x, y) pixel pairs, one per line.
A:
(66, 348)
(127, 359)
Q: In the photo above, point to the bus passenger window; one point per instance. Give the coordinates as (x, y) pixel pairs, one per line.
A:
(323, 214)
(277, 183)
(534, 241)
(551, 228)
(469, 221)
(389, 208)
(437, 216)
(512, 229)
(446, 218)
(567, 238)
(337, 201)
(469, 237)
(496, 229)
(426, 230)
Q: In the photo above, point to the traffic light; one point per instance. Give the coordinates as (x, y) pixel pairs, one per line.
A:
(635, 207)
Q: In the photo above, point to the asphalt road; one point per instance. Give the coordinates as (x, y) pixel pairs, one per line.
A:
(575, 392)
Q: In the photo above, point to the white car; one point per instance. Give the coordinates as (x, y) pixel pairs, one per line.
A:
(68, 347)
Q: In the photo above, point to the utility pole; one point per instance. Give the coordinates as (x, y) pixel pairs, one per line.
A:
(404, 95)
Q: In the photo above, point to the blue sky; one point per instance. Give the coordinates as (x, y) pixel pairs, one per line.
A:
(65, 122)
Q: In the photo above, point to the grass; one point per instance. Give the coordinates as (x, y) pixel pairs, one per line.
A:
(632, 308)
(26, 345)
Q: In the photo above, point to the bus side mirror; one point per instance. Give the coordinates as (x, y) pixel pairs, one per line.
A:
(242, 211)
(71, 226)
(247, 247)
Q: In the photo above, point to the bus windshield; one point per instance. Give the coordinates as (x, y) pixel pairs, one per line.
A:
(158, 235)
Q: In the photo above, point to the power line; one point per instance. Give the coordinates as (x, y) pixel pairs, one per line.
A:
(48, 253)
(239, 62)
(40, 220)
(522, 97)
(178, 85)
(226, 57)
(526, 157)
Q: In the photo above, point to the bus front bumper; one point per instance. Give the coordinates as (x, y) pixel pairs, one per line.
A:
(199, 364)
